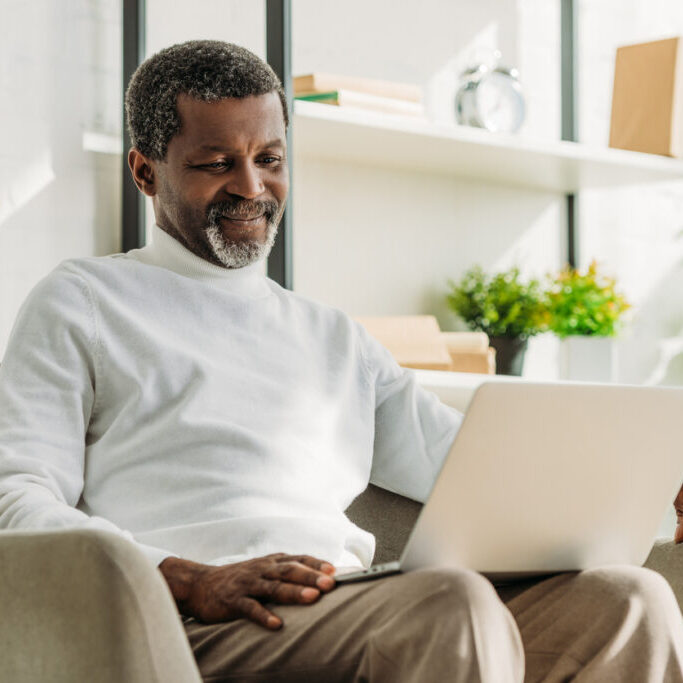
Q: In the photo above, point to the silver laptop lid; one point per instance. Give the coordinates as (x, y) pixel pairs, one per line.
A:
(552, 477)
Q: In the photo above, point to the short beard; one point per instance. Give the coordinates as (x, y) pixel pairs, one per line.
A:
(242, 253)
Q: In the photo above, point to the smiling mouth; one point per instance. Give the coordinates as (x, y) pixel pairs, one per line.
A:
(243, 220)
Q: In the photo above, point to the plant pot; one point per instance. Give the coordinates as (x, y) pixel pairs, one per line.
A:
(509, 354)
(588, 359)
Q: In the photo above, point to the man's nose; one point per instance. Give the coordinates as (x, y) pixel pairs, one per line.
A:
(245, 181)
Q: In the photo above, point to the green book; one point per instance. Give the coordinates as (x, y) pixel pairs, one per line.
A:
(330, 96)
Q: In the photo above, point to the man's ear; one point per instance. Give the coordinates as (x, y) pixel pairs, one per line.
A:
(143, 172)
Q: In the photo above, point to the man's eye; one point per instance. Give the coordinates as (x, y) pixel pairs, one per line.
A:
(270, 160)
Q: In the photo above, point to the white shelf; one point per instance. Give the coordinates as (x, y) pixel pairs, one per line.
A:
(102, 143)
(389, 141)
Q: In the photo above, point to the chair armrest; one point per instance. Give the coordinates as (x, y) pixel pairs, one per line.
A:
(87, 605)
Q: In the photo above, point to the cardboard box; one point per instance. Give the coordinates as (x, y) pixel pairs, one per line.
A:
(483, 363)
(647, 99)
(416, 342)
(413, 340)
(470, 352)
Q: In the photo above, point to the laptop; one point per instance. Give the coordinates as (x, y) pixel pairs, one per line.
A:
(552, 477)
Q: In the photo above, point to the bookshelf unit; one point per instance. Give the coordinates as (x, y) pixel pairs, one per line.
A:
(356, 136)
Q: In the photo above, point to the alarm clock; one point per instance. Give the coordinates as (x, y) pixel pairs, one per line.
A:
(491, 98)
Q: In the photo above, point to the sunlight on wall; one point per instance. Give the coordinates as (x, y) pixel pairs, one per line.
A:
(538, 250)
(24, 184)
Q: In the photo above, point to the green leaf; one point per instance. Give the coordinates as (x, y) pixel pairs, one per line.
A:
(502, 305)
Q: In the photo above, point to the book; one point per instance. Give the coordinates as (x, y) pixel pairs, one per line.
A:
(359, 100)
(647, 98)
(314, 83)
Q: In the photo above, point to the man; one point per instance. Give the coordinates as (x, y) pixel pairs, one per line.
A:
(225, 424)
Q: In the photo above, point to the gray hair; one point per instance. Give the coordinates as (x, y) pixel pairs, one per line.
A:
(207, 70)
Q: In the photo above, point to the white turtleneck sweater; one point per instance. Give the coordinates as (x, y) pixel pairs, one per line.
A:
(204, 412)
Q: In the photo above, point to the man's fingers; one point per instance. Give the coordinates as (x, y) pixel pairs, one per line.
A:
(298, 573)
(284, 593)
(256, 612)
(313, 562)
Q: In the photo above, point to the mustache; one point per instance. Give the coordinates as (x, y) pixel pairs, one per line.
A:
(243, 208)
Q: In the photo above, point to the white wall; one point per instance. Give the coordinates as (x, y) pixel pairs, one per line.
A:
(237, 21)
(59, 77)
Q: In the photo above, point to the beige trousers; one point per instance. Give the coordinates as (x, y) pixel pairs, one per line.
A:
(617, 624)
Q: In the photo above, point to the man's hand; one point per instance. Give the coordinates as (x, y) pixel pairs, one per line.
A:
(678, 504)
(234, 591)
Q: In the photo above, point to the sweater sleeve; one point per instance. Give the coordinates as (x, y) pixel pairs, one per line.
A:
(47, 396)
(414, 430)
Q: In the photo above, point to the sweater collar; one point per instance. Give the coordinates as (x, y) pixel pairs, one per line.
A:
(166, 252)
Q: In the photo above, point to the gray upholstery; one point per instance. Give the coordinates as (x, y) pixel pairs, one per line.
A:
(84, 605)
(388, 516)
(667, 559)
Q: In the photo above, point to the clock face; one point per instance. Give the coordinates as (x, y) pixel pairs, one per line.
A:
(499, 103)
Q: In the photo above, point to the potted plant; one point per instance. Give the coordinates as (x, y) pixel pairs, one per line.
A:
(586, 312)
(504, 306)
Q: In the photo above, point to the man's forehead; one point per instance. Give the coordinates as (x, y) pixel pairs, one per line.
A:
(253, 116)
(217, 147)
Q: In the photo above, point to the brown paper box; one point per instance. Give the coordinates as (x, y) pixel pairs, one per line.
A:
(416, 342)
(647, 98)
(481, 362)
